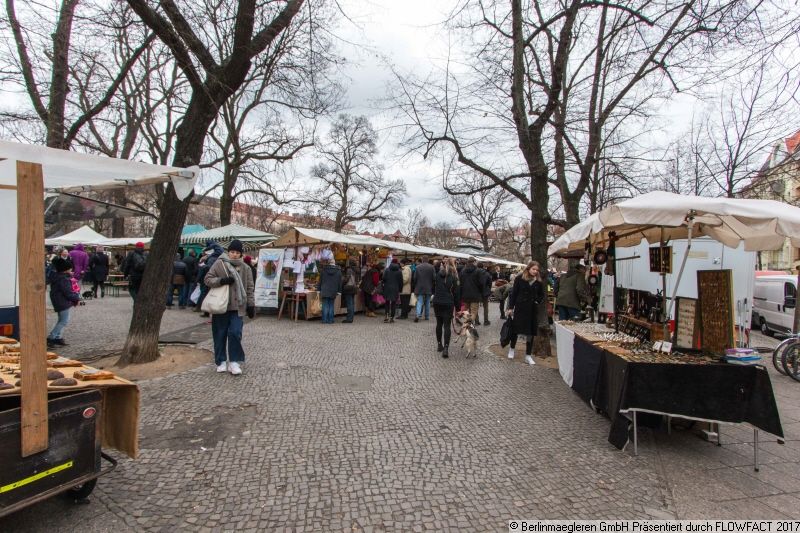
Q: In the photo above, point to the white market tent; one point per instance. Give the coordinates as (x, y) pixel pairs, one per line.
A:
(223, 235)
(308, 236)
(87, 236)
(26, 172)
(759, 224)
(82, 235)
(663, 216)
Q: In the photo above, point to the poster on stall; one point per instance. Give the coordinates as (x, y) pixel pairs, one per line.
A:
(270, 263)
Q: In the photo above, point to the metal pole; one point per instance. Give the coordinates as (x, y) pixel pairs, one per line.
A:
(663, 285)
(796, 325)
(690, 218)
(755, 449)
(635, 436)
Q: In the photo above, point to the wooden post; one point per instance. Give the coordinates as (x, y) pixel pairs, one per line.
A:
(33, 352)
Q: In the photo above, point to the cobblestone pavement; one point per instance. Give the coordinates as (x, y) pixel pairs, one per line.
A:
(363, 427)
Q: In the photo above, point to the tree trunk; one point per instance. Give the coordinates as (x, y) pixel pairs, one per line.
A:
(59, 85)
(142, 343)
(118, 224)
(572, 210)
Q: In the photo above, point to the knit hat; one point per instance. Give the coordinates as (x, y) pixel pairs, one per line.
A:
(236, 246)
(140, 244)
(248, 259)
(61, 265)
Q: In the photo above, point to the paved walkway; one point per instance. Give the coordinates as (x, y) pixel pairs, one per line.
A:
(363, 427)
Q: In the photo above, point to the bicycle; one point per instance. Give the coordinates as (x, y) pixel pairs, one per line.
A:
(786, 357)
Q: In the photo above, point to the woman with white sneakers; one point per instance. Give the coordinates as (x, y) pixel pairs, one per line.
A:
(523, 302)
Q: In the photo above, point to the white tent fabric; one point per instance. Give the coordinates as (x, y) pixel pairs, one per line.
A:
(759, 224)
(227, 233)
(125, 241)
(73, 172)
(65, 171)
(82, 235)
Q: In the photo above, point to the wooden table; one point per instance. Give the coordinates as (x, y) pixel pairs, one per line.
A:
(295, 299)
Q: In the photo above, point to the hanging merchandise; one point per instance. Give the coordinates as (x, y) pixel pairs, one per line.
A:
(600, 256)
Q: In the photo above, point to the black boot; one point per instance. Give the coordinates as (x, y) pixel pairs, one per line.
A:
(52, 342)
(444, 352)
(439, 347)
(60, 342)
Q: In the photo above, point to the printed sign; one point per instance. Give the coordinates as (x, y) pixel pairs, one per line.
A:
(270, 263)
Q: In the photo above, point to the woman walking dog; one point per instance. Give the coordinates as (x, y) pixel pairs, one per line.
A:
(445, 295)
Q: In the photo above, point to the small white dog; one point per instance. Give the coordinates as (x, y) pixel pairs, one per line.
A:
(464, 328)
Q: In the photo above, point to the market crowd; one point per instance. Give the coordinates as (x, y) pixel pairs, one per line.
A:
(453, 292)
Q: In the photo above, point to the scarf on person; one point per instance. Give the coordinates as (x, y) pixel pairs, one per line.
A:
(241, 294)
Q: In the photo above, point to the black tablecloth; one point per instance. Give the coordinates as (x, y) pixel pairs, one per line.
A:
(721, 392)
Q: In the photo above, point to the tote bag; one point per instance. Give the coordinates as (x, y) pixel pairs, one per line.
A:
(216, 301)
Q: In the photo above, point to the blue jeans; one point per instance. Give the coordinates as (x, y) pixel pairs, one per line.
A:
(327, 310)
(63, 320)
(567, 313)
(183, 295)
(424, 299)
(350, 303)
(227, 332)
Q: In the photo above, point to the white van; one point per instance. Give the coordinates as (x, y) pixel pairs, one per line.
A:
(774, 300)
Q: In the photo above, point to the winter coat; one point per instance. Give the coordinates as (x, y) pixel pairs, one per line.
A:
(472, 284)
(424, 279)
(210, 260)
(135, 264)
(572, 290)
(330, 281)
(368, 281)
(191, 268)
(347, 273)
(98, 266)
(80, 261)
(61, 294)
(406, 280)
(392, 282)
(445, 291)
(524, 300)
(221, 269)
(487, 283)
(178, 269)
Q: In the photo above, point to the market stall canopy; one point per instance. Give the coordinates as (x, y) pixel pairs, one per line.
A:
(125, 241)
(66, 171)
(64, 207)
(306, 236)
(225, 234)
(758, 224)
(497, 261)
(82, 235)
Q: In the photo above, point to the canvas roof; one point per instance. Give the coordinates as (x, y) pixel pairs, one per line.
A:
(759, 224)
(67, 171)
(226, 234)
(82, 235)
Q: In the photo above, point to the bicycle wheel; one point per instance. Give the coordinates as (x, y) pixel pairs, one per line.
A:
(791, 360)
(777, 355)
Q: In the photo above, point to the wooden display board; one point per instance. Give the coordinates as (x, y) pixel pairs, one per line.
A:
(687, 332)
(715, 291)
(661, 259)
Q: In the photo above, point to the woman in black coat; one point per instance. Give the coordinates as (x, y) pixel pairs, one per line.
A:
(526, 295)
(98, 266)
(392, 285)
(446, 293)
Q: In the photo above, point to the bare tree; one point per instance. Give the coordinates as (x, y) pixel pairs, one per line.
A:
(352, 187)
(411, 224)
(214, 68)
(441, 235)
(524, 52)
(72, 48)
(484, 210)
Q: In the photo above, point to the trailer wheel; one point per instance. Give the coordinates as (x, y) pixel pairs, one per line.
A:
(80, 493)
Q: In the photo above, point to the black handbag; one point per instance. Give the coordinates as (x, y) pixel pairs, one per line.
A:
(507, 332)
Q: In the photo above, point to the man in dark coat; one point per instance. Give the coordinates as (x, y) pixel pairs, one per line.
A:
(472, 287)
(330, 283)
(487, 291)
(178, 283)
(98, 267)
(190, 260)
(392, 285)
(572, 291)
(135, 264)
(423, 288)
(367, 289)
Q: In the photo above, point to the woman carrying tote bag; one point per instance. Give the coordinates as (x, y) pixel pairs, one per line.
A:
(230, 272)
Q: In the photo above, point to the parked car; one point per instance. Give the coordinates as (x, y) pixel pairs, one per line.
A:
(774, 300)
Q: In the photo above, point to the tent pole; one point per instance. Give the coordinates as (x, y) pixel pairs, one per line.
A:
(690, 218)
(612, 251)
(663, 285)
